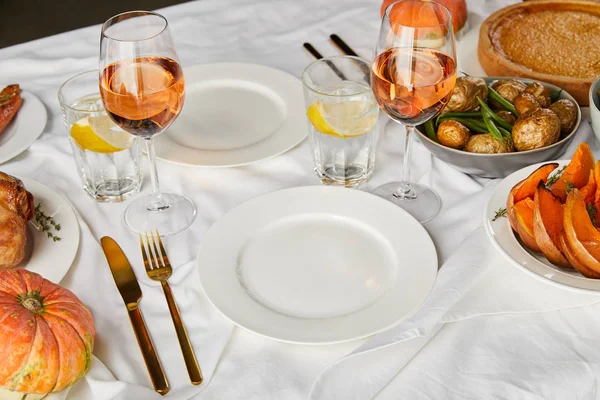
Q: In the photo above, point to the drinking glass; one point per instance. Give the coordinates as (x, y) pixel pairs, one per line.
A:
(342, 115)
(413, 76)
(142, 88)
(107, 158)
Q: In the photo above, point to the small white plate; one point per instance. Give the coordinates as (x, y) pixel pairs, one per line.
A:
(50, 259)
(504, 239)
(466, 52)
(234, 114)
(24, 129)
(317, 265)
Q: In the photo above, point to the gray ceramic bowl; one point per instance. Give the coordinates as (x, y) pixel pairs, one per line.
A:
(595, 107)
(501, 165)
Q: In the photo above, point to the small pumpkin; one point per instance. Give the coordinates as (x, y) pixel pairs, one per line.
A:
(46, 334)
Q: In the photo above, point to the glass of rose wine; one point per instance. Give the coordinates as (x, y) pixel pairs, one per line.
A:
(142, 89)
(413, 76)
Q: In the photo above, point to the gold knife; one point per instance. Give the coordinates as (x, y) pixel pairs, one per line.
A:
(130, 291)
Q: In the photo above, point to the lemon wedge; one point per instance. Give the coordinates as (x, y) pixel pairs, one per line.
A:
(345, 119)
(100, 135)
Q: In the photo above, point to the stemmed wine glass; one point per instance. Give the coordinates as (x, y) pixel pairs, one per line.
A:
(413, 76)
(142, 88)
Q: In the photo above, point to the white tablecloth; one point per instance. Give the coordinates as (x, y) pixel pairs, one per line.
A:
(238, 364)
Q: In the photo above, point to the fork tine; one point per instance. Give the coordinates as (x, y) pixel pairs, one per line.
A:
(151, 255)
(144, 255)
(165, 259)
(158, 258)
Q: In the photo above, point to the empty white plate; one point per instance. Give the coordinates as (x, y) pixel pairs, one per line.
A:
(24, 129)
(234, 114)
(317, 265)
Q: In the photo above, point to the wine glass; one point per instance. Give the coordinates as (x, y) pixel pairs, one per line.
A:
(142, 88)
(413, 76)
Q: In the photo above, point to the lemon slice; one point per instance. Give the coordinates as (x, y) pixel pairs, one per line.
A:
(100, 135)
(345, 119)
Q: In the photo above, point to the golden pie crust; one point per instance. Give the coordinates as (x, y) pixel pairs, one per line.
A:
(547, 40)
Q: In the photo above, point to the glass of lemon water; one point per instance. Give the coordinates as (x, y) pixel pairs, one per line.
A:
(107, 158)
(342, 115)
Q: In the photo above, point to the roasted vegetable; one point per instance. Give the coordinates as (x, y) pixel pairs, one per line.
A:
(566, 112)
(474, 125)
(526, 102)
(466, 92)
(540, 92)
(508, 89)
(504, 104)
(539, 128)
(507, 116)
(453, 134)
(487, 144)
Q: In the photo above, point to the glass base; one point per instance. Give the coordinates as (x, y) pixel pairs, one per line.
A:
(420, 201)
(174, 217)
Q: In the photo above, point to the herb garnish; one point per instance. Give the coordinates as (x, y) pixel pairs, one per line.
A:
(4, 98)
(569, 186)
(499, 214)
(593, 211)
(554, 178)
(46, 223)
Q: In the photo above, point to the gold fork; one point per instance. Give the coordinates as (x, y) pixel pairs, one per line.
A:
(159, 269)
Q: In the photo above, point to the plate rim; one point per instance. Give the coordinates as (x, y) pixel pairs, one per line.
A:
(29, 182)
(245, 66)
(34, 136)
(434, 272)
(491, 234)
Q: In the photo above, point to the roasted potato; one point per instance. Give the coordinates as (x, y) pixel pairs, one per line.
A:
(465, 94)
(507, 88)
(526, 102)
(540, 92)
(485, 143)
(453, 134)
(566, 112)
(507, 116)
(538, 128)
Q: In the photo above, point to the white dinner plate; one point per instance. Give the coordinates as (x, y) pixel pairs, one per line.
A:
(50, 259)
(466, 52)
(504, 239)
(24, 129)
(317, 265)
(234, 114)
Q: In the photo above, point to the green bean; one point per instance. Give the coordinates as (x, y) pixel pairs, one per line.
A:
(555, 95)
(494, 131)
(430, 130)
(453, 114)
(473, 125)
(506, 133)
(493, 115)
(503, 102)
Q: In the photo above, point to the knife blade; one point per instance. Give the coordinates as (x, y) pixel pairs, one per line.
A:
(132, 294)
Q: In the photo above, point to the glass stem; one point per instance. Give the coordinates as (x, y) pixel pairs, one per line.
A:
(156, 202)
(404, 191)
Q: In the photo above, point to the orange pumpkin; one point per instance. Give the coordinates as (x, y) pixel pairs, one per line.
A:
(457, 8)
(46, 334)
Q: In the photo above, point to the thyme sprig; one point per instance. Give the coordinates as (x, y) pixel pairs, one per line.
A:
(570, 186)
(554, 178)
(46, 223)
(4, 98)
(499, 214)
